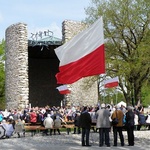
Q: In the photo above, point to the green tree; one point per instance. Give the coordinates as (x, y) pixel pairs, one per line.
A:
(146, 94)
(127, 36)
(2, 75)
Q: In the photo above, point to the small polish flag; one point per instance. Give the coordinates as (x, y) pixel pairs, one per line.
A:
(113, 82)
(63, 89)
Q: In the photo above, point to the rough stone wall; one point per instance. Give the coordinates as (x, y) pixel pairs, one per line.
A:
(16, 66)
(70, 29)
(80, 95)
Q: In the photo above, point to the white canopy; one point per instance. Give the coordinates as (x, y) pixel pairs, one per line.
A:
(122, 103)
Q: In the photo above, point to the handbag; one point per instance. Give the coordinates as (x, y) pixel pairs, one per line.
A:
(115, 121)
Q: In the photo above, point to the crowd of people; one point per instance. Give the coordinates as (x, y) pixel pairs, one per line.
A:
(84, 117)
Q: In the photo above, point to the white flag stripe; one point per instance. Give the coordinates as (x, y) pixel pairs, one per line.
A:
(116, 79)
(62, 87)
(94, 34)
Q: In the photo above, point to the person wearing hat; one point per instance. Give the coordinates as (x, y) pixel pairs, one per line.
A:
(85, 122)
(48, 124)
(57, 124)
(103, 124)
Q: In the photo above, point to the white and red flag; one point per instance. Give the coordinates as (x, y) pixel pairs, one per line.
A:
(110, 83)
(63, 89)
(83, 55)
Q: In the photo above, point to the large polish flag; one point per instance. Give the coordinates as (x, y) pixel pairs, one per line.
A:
(113, 82)
(83, 55)
(63, 89)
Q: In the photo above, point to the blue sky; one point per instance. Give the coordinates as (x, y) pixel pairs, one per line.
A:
(40, 15)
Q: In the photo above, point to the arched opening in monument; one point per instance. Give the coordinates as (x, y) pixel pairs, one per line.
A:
(43, 66)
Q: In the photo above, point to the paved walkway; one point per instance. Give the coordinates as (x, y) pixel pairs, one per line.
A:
(71, 142)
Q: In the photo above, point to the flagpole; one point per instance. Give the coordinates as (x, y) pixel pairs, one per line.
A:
(104, 94)
(116, 95)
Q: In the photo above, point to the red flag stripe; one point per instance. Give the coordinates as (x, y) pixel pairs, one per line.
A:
(112, 84)
(64, 92)
(92, 64)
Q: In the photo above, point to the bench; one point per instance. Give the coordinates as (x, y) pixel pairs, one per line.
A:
(143, 125)
(39, 128)
(29, 127)
(33, 129)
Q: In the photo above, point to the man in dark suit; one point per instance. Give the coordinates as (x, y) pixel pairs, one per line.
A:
(85, 123)
(130, 125)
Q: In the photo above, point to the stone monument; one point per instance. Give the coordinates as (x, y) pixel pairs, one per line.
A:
(16, 67)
